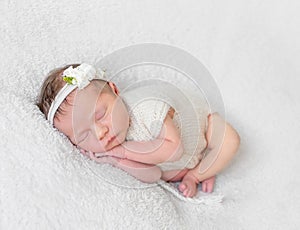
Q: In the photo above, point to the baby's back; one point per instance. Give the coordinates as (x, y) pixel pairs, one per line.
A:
(148, 107)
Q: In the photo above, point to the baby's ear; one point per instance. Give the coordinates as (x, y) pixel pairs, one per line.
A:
(113, 87)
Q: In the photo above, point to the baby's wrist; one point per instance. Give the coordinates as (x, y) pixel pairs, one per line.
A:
(125, 152)
(121, 149)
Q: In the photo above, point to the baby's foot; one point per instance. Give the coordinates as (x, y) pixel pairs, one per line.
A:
(208, 184)
(188, 186)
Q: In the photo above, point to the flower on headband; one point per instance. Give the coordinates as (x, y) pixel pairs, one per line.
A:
(81, 75)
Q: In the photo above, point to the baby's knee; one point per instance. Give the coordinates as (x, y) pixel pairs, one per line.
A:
(215, 130)
(232, 138)
(153, 175)
(221, 133)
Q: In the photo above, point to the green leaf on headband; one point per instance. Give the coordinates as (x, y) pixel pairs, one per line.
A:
(69, 80)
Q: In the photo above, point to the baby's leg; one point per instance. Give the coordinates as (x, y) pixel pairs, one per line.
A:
(222, 142)
(143, 172)
(189, 186)
(173, 175)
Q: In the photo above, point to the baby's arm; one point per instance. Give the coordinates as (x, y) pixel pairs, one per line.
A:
(143, 172)
(166, 147)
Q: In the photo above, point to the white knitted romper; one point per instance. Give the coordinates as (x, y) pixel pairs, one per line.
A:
(148, 107)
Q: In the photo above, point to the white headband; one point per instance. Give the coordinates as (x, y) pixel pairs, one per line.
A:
(78, 77)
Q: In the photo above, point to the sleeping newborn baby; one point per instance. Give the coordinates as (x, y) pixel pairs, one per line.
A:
(149, 131)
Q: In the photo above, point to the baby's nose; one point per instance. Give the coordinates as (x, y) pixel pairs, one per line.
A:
(101, 132)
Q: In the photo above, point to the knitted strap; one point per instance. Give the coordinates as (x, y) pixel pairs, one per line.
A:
(200, 198)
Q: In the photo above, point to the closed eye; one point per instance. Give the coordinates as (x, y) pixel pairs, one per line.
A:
(99, 115)
(83, 137)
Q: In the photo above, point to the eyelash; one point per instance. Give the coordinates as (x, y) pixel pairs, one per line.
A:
(97, 119)
(85, 137)
(103, 115)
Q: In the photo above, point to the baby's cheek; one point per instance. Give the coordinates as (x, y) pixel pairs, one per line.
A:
(84, 145)
(94, 146)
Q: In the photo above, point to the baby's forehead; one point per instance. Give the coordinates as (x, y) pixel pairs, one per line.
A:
(97, 84)
(88, 95)
(83, 99)
(95, 87)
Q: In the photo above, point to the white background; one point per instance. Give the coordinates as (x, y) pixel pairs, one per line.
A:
(251, 48)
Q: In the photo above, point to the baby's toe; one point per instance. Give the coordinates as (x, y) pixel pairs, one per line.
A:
(186, 192)
(182, 187)
(210, 187)
(204, 186)
(191, 192)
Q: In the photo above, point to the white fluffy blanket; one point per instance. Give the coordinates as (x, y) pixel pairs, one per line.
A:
(252, 50)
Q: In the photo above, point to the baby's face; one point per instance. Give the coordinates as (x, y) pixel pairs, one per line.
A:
(95, 121)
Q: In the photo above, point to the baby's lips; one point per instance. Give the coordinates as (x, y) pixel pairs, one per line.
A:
(109, 140)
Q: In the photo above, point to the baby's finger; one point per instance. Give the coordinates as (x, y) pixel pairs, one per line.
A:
(101, 154)
(110, 160)
(92, 155)
(83, 152)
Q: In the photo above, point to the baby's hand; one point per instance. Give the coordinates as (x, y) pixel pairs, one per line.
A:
(84, 152)
(104, 159)
(117, 151)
